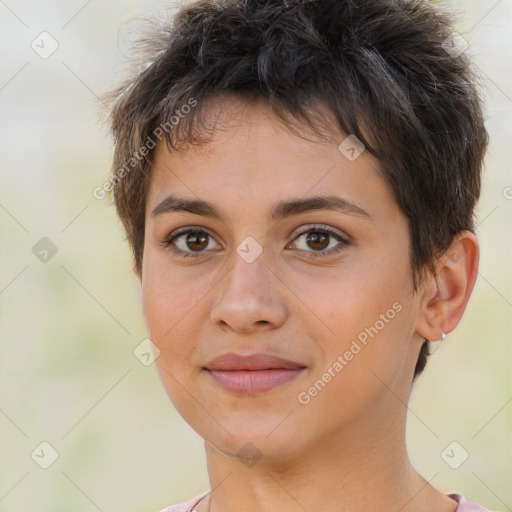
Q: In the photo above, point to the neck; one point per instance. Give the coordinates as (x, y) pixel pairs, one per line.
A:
(356, 471)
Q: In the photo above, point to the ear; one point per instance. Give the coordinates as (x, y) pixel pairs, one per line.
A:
(445, 295)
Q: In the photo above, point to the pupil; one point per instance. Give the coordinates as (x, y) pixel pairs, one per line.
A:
(193, 239)
(318, 238)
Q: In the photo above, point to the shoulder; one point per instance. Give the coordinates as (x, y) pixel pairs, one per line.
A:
(466, 505)
(186, 506)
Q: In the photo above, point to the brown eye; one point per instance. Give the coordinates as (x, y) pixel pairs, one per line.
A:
(318, 239)
(197, 241)
(189, 242)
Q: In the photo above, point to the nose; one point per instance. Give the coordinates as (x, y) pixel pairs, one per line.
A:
(249, 297)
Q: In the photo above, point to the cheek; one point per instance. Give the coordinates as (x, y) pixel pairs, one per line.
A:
(164, 302)
(165, 295)
(368, 305)
(172, 323)
(173, 304)
(349, 299)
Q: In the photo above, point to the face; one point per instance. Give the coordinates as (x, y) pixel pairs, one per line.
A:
(326, 286)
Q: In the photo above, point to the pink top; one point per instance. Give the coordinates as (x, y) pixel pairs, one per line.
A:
(464, 505)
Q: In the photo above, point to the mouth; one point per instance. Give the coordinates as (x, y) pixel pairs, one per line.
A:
(253, 374)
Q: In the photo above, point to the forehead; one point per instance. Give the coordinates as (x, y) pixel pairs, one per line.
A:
(251, 157)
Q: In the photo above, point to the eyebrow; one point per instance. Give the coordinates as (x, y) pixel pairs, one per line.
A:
(279, 210)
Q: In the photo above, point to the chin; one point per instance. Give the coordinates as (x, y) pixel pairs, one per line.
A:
(253, 438)
(251, 450)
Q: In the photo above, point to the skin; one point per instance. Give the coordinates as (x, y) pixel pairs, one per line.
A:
(345, 450)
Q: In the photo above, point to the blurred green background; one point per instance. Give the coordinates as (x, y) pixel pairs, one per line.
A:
(69, 325)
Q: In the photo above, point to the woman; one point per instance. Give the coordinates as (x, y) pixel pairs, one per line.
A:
(297, 181)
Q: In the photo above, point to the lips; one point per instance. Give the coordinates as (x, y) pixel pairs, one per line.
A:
(234, 362)
(252, 374)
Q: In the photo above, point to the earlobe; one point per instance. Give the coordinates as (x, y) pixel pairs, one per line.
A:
(447, 294)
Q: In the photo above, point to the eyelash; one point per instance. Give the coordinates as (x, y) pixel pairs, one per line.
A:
(169, 242)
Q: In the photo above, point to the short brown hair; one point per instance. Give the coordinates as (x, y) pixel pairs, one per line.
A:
(381, 65)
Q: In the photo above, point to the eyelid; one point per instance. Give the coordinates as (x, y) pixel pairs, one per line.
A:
(321, 227)
(299, 231)
(186, 229)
